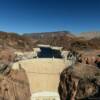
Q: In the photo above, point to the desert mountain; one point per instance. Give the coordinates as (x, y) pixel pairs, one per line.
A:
(49, 34)
(62, 38)
(90, 35)
(15, 41)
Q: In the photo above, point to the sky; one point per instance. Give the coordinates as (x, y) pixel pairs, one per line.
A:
(28, 16)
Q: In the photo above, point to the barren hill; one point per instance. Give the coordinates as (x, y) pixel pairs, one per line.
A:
(49, 34)
(62, 38)
(90, 35)
(15, 41)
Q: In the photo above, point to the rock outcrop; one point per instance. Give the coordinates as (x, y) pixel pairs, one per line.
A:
(90, 57)
(13, 84)
(80, 80)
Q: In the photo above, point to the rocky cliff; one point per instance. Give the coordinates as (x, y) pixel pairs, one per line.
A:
(13, 84)
(80, 80)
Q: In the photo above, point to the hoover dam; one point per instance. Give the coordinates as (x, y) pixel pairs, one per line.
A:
(43, 74)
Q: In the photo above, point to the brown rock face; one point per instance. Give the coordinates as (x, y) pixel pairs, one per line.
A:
(91, 57)
(14, 86)
(81, 81)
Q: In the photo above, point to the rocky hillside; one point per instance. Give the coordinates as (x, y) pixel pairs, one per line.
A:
(95, 42)
(64, 38)
(49, 34)
(90, 35)
(80, 80)
(15, 41)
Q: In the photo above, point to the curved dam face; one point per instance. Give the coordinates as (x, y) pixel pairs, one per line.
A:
(43, 73)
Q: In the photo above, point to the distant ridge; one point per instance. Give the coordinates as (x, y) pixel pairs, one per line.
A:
(49, 34)
(90, 35)
(26, 42)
